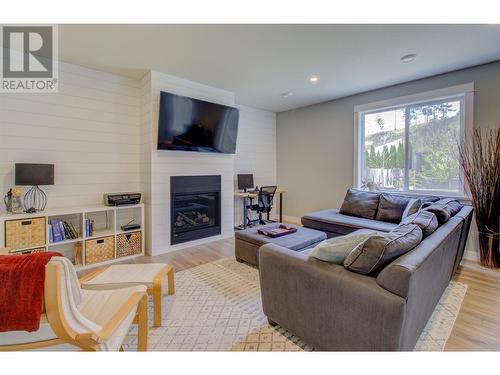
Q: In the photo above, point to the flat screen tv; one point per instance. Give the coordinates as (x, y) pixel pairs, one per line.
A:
(188, 124)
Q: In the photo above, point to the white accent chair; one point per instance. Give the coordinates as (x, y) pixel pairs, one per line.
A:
(77, 319)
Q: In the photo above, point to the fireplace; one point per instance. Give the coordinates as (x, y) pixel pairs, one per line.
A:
(195, 207)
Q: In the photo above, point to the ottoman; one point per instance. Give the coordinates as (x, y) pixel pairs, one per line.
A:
(248, 241)
(152, 275)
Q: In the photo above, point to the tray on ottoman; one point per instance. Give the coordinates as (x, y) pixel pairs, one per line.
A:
(248, 241)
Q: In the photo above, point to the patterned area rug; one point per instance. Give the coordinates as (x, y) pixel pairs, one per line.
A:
(217, 307)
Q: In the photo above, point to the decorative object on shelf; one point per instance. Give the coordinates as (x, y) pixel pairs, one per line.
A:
(78, 254)
(13, 201)
(130, 226)
(121, 199)
(34, 175)
(480, 161)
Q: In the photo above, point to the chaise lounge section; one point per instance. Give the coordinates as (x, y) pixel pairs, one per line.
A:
(332, 308)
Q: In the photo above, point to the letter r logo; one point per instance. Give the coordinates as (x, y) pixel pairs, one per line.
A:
(27, 52)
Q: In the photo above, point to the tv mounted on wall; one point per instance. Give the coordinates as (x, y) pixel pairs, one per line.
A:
(187, 124)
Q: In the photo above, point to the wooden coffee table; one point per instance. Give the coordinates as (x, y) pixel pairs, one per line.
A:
(152, 275)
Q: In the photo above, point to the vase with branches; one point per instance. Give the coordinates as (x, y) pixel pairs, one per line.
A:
(479, 156)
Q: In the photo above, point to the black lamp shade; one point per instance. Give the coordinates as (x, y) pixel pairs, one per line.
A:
(34, 174)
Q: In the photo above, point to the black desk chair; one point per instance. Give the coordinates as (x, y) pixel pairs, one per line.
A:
(264, 203)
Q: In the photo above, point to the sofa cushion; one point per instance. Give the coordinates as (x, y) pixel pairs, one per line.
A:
(412, 207)
(379, 250)
(360, 203)
(426, 220)
(333, 221)
(335, 250)
(444, 209)
(391, 208)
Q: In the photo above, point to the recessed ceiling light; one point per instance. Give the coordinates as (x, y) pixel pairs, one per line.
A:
(408, 58)
(286, 94)
(314, 79)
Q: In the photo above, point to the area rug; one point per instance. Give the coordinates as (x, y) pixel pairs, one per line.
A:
(217, 307)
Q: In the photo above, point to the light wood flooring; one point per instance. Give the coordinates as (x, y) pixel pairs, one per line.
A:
(477, 327)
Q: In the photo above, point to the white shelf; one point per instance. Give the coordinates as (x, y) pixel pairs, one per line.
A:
(137, 212)
(101, 233)
(128, 231)
(67, 211)
(73, 240)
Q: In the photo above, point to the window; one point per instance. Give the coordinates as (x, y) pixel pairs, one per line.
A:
(412, 147)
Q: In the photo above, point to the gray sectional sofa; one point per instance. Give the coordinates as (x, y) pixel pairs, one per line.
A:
(333, 308)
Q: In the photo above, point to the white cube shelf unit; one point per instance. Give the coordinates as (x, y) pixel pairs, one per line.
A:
(107, 223)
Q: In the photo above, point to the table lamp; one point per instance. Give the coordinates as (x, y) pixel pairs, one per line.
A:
(34, 175)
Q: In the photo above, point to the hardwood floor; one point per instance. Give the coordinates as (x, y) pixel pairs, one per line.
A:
(193, 256)
(478, 324)
(477, 327)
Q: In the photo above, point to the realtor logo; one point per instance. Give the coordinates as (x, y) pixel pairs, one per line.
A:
(29, 59)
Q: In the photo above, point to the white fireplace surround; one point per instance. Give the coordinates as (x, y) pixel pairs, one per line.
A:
(159, 165)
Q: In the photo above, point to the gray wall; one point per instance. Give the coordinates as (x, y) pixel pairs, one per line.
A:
(315, 144)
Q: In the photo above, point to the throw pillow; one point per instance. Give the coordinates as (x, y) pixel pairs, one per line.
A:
(377, 251)
(360, 203)
(336, 249)
(391, 208)
(412, 207)
(444, 209)
(426, 220)
(452, 204)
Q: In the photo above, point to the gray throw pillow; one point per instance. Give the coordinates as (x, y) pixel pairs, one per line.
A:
(444, 209)
(336, 249)
(413, 206)
(391, 208)
(452, 204)
(377, 251)
(360, 203)
(426, 220)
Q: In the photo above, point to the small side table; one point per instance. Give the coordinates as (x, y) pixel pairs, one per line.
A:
(152, 275)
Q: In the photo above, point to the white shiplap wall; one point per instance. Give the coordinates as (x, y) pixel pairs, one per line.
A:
(145, 152)
(165, 164)
(255, 151)
(100, 131)
(89, 130)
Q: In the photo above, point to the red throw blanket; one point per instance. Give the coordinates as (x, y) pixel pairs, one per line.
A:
(22, 279)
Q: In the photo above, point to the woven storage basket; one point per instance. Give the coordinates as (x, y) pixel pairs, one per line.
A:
(128, 244)
(31, 251)
(99, 250)
(24, 233)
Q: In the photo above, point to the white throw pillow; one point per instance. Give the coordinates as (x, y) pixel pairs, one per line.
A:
(335, 250)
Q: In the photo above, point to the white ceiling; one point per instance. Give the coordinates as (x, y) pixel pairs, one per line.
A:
(259, 62)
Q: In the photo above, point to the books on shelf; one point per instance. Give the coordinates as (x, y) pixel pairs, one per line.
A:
(60, 230)
(89, 227)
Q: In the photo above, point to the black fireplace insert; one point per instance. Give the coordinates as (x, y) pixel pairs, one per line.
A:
(195, 207)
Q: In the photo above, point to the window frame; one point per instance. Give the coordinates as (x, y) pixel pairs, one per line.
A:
(464, 93)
